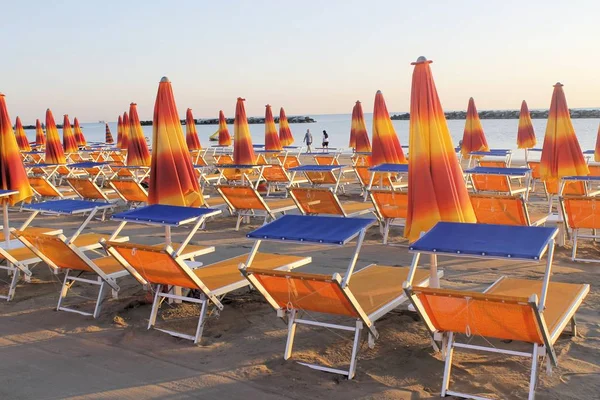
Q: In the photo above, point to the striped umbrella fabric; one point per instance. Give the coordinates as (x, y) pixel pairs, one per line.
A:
(125, 138)
(525, 135)
(69, 143)
(285, 133)
(597, 149)
(108, 137)
(437, 190)
(12, 171)
(473, 136)
(386, 146)
(224, 137)
(243, 152)
(79, 137)
(172, 178)
(191, 134)
(40, 138)
(22, 141)
(120, 132)
(561, 153)
(361, 137)
(54, 149)
(271, 136)
(137, 148)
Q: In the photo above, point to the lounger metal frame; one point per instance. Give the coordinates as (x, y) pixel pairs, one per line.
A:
(336, 201)
(576, 234)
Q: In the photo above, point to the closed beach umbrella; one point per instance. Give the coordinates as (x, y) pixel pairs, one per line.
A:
(54, 149)
(224, 137)
(125, 137)
(436, 186)
(79, 138)
(361, 136)
(352, 142)
(386, 146)
(40, 138)
(243, 152)
(137, 148)
(69, 143)
(191, 134)
(285, 133)
(108, 138)
(561, 153)
(473, 136)
(22, 141)
(525, 135)
(271, 137)
(172, 178)
(120, 132)
(597, 149)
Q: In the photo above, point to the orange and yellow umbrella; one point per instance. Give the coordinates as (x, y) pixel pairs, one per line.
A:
(437, 190)
(191, 134)
(108, 138)
(243, 152)
(561, 153)
(125, 137)
(285, 133)
(271, 137)
(473, 136)
(172, 178)
(69, 143)
(40, 138)
(54, 149)
(137, 148)
(525, 135)
(120, 132)
(352, 142)
(386, 146)
(79, 138)
(361, 137)
(22, 141)
(597, 149)
(224, 137)
(12, 171)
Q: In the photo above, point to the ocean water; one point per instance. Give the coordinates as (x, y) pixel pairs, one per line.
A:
(500, 133)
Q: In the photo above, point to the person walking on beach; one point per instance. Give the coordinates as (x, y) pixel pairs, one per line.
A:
(308, 140)
(325, 141)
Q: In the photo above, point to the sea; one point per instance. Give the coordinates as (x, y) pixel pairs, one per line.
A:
(500, 133)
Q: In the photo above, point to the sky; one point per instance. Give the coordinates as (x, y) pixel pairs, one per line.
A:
(91, 59)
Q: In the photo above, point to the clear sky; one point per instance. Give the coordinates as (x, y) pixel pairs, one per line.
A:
(90, 59)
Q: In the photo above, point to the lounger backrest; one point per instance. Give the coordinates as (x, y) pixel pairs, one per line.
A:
(492, 164)
(43, 187)
(364, 177)
(361, 160)
(594, 170)
(242, 197)
(53, 250)
(573, 188)
(316, 201)
(63, 170)
(276, 173)
(490, 183)
(503, 210)
(310, 292)
(86, 189)
(390, 204)
(320, 178)
(97, 156)
(535, 169)
(326, 160)
(288, 161)
(261, 160)
(129, 190)
(224, 159)
(479, 314)
(582, 212)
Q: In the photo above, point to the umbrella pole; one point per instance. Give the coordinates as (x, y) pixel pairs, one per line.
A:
(176, 289)
(434, 281)
(526, 160)
(6, 227)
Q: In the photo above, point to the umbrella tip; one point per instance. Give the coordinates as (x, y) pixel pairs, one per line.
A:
(133, 104)
(558, 84)
(421, 60)
(357, 101)
(164, 79)
(378, 92)
(241, 99)
(268, 105)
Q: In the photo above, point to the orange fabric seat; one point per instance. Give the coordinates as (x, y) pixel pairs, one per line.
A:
(390, 208)
(317, 201)
(504, 210)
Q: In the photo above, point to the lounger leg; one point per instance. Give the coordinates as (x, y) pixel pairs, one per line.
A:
(371, 340)
(291, 333)
(100, 299)
(386, 231)
(239, 221)
(574, 252)
(64, 290)
(13, 284)
(534, 367)
(357, 332)
(201, 321)
(448, 364)
(573, 327)
(155, 305)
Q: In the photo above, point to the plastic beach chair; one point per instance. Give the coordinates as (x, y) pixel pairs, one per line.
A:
(362, 297)
(245, 201)
(391, 209)
(581, 213)
(163, 268)
(318, 201)
(530, 311)
(504, 210)
(59, 254)
(87, 189)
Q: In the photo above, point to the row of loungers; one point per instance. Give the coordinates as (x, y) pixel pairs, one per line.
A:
(530, 311)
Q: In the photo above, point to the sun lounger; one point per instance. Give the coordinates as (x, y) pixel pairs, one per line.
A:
(391, 209)
(59, 254)
(164, 268)
(504, 210)
(130, 191)
(288, 161)
(581, 213)
(319, 201)
(43, 188)
(319, 175)
(88, 190)
(363, 296)
(499, 180)
(531, 311)
(245, 201)
(278, 178)
(502, 158)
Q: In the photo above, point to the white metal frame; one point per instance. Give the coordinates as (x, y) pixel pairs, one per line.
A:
(576, 235)
(511, 192)
(336, 201)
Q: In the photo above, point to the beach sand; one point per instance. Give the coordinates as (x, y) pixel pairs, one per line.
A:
(47, 354)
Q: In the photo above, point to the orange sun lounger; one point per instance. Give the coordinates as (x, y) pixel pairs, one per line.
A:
(130, 191)
(277, 177)
(163, 268)
(504, 210)
(318, 201)
(391, 209)
(87, 189)
(581, 213)
(43, 188)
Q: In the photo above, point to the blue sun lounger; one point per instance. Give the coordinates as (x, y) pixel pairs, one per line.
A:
(363, 296)
(531, 311)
